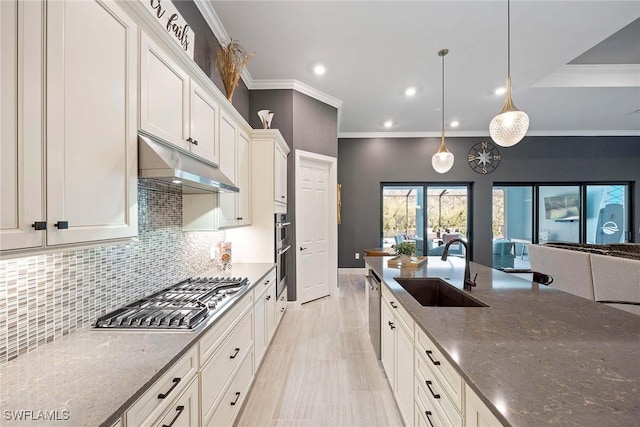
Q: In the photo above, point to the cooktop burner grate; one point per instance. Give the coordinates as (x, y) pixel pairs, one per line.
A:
(179, 307)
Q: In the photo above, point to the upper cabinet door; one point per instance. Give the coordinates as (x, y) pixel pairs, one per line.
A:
(228, 141)
(21, 121)
(244, 179)
(280, 191)
(164, 95)
(204, 124)
(91, 122)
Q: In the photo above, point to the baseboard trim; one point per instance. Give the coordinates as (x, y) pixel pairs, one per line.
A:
(352, 270)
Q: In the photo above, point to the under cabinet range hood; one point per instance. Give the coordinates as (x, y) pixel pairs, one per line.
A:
(158, 161)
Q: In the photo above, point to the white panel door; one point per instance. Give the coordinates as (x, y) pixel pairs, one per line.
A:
(204, 124)
(164, 95)
(312, 230)
(21, 111)
(91, 122)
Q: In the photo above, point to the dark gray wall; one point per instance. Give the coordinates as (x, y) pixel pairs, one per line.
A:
(306, 124)
(206, 43)
(365, 163)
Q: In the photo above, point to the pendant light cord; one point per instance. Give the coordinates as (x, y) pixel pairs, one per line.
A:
(509, 38)
(443, 92)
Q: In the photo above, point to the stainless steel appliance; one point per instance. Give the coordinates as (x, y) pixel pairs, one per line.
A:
(183, 306)
(373, 282)
(282, 247)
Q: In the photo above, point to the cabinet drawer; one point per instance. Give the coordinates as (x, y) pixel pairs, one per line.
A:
(216, 373)
(184, 411)
(400, 313)
(281, 305)
(233, 396)
(448, 377)
(432, 394)
(426, 416)
(212, 339)
(263, 285)
(156, 400)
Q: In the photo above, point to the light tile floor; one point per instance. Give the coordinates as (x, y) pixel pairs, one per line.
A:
(320, 369)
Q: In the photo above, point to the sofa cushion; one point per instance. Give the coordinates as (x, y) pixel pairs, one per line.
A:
(615, 278)
(570, 270)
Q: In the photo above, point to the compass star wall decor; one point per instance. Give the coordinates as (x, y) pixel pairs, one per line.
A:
(484, 157)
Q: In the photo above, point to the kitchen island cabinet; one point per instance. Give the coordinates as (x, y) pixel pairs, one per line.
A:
(532, 357)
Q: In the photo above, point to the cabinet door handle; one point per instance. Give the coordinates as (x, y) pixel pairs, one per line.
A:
(429, 352)
(235, 354)
(195, 142)
(179, 409)
(393, 304)
(61, 225)
(435, 395)
(282, 197)
(237, 397)
(189, 140)
(268, 297)
(282, 310)
(428, 414)
(392, 326)
(39, 225)
(176, 381)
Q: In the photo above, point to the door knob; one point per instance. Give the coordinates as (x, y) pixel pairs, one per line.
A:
(303, 249)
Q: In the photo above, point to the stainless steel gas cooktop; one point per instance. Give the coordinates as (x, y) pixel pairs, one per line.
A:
(183, 306)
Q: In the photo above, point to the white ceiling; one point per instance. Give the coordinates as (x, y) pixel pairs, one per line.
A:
(373, 50)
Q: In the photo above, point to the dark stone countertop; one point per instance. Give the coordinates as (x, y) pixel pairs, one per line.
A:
(96, 375)
(536, 356)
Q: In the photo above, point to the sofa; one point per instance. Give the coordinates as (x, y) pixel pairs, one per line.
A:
(605, 273)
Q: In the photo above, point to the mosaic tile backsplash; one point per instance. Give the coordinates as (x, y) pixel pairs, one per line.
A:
(45, 297)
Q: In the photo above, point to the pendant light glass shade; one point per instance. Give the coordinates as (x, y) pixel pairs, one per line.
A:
(442, 161)
(509, 127)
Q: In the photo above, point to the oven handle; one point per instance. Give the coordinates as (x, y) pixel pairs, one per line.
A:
(281, 251)
(282, 224)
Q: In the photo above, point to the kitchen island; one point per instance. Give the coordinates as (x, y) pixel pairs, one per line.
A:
(536, 356)
(91, 377)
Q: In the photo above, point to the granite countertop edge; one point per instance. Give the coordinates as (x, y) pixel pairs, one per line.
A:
(16, 392)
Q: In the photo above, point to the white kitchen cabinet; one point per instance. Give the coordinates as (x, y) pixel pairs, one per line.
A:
(21, 124)
(235, 164)
(280, 191)
(184, 412)
(174, 107)
(476, 412)
(157, 400)
(281, 306)
(89, 149)
(397, 353)
(264, 294)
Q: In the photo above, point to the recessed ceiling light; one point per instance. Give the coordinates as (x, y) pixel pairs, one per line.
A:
(454, 124)
(388, 123)
(319, 70)
(501, 91)
(410, 91)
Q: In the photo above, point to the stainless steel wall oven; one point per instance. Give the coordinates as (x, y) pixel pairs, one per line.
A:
(282, 247)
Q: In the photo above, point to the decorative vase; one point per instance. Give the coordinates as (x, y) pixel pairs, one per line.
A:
(265, 117)
(404, 258)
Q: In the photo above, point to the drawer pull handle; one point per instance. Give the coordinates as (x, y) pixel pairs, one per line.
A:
(392, 326)
(176, 381)
(179, 409)
(235, 354)
(435, 362)
(428, 414)
(237, 397)
(393, 304)
(436, 396)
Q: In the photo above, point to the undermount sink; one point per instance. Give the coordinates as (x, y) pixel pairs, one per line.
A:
(434, 292)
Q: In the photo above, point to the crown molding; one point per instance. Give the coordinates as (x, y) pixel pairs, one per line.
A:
(483, 134)
(593, 75)
(270, 84)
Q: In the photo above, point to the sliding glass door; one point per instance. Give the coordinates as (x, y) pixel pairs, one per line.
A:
(402, 215)
(607, 214)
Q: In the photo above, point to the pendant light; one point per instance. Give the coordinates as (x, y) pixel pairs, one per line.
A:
(509, 127)
(442, 161)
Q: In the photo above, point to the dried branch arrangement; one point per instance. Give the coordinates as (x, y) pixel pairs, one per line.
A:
(231, 58)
